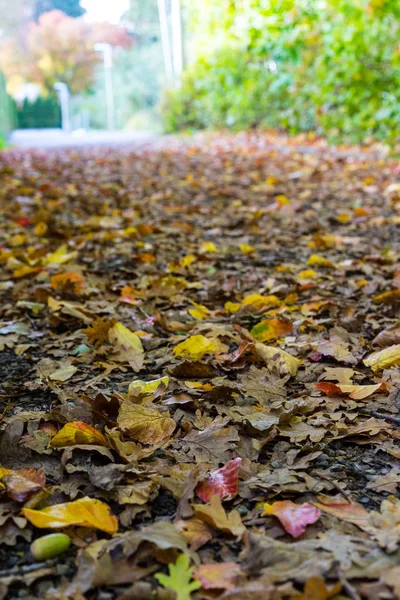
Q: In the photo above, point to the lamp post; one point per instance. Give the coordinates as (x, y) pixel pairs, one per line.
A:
(63, 95)
(107, 52)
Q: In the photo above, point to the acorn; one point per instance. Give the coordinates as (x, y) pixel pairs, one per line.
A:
(50, 546)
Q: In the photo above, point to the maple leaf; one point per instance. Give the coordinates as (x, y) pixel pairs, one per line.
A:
(146, 425)
(215, 515)
(223, 482)
(73, 282)
(97, 332)
(180, 578)
(85, 512)
(195, 347)
(356, 392)
(294, 517)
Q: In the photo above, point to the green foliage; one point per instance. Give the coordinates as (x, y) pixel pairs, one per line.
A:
(43, 113)
(331, 66)
(7, 111)
(180, 578)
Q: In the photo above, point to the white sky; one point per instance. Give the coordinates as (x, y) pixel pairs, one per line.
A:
(105, 10)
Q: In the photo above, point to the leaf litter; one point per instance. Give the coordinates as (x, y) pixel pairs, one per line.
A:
(199, 360)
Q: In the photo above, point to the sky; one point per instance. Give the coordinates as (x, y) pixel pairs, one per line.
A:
(105, 10)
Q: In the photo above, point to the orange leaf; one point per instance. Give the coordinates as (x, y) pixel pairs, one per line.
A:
(222, 482)
(72, 281)
(78, 432)
(268, 330)
(350, 512)
(86, 512)
(294, 517)
(220, 576)
(315, 589)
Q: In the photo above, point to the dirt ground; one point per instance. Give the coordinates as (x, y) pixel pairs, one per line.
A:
(255, 281)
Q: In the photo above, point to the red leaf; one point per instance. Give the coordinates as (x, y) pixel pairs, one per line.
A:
(223, 482)
(294, 517)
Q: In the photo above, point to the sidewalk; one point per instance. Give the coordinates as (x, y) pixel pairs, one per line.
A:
(56, 138)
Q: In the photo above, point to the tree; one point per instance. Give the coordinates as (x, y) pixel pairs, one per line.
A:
(58, 48)
(72, 8)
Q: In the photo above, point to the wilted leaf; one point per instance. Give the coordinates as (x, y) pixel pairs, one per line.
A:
(85, 512)
(294, 517)
(218, 576)
(215, 515)
(223, 482)
(285, 362)
(24, 483)
(78, 432)
(127, 345)
(196, 532)
(357, 392)
(383, 359)
(315, 589)
(350, 512)
(146, 425)
(156, 386)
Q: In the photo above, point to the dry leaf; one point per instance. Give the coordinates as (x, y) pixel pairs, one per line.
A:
(146, 425)
(195, 347)
(85, 512)
(223, 482)
(383, 359)
(78, 432)
(214, 514)
(294, 517)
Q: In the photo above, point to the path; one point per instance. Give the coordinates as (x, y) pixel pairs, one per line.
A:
(56, 138)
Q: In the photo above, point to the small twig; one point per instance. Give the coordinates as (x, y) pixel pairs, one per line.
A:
(336, 486)
(378, 415)
(347, 587)
(24, 569)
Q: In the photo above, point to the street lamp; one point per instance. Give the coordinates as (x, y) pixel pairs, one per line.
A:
(107, 52)
(63, 95)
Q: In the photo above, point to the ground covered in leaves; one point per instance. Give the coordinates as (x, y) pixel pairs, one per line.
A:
(199, 351)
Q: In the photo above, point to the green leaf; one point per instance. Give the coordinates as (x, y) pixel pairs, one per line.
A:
(180, 578)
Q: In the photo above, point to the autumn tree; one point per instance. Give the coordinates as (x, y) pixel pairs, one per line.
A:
(58, 48)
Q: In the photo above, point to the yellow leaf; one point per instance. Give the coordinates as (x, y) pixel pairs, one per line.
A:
(127, 345)
(200, 312)
(186, 261)
(146, 425)
(78, 432)
(289, 364)
(383, 359)
(195, 347)
(258, 302)
(246, 248)
(63, 373)
(232, 307)
(315, 259)
(60, 256)
(138, 388)
(3, 473)
(307, 274)
(215, 515)
(41, 229)
(86, 512)
(197, 385)
(208, 247)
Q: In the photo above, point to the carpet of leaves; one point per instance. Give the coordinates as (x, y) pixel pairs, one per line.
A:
(199, 352)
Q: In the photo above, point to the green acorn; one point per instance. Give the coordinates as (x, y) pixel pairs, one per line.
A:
(50, 546)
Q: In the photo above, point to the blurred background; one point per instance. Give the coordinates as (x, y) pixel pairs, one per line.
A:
(331, 67)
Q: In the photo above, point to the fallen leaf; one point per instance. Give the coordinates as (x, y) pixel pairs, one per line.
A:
(23, 484)
(146, 425)
(383, 359)
(271, 329)
(294, 517)
(127, 345)
(350, 512)
(214, 514)
(85, 512)
(315, 589)
(357, 392)
(223, 482)
(195, 347)
(78, 432)
(220, 576)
